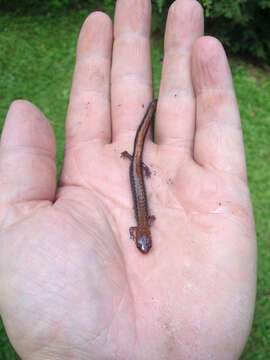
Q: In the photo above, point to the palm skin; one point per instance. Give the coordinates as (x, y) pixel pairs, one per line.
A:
(72, 284)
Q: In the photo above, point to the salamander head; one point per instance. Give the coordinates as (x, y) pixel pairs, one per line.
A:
(143, 241)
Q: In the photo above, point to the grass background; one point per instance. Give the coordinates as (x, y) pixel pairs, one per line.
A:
(37, 56)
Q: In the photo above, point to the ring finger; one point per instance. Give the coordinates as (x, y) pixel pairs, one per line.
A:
(175, 119)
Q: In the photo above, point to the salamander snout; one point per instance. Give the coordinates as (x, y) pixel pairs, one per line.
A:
(144, 244)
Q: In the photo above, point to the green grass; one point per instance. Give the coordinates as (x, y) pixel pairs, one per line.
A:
(37, 56)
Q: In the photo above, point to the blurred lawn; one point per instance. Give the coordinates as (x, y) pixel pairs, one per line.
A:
(37, 56)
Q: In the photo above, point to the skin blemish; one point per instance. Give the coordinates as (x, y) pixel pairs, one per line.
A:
(219, 210)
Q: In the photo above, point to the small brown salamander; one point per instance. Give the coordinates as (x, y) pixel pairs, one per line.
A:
(140, 233)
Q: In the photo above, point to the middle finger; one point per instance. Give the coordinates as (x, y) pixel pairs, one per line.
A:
(131, 78)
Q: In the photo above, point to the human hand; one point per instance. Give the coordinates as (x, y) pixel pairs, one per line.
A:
(72, 284)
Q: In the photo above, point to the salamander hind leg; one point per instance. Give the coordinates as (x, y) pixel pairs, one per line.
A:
(126, 155)
(146, 170)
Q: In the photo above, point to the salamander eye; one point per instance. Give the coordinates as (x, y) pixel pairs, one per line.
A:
(144, 244)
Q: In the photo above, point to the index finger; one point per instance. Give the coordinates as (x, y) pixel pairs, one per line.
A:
(88, 117)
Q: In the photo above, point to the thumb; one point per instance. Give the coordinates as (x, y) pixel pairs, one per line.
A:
(27, 156)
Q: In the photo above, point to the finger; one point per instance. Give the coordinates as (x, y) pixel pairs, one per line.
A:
(88, 116)
(131, 86)
(27, 156)
(175, 119)
(218, 139)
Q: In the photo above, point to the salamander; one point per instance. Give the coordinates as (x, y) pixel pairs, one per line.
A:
(140, 233)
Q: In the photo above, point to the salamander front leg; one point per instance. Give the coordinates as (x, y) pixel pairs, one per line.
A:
(132, 232)
(151, 219)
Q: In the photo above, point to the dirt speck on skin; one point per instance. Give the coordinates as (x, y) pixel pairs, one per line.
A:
(170, 341)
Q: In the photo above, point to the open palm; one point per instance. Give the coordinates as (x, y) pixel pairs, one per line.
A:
(72, 284)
